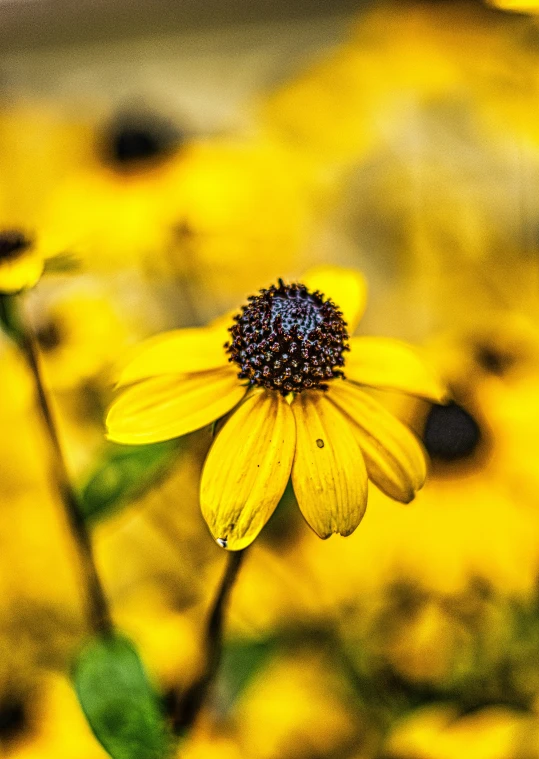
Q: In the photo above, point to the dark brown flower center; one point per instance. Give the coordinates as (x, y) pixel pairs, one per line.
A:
(132, 139)
(13, 718)
(289, 339)
(451, 433)
(50, 336)
(12, 244)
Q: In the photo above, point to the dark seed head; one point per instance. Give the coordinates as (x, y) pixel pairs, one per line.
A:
(451, 433)
(12, 244)
(285, 318)
(133, 139)
(13, 718)
(49, 336)
(494, 361)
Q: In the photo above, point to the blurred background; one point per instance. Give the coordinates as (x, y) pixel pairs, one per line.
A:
(177, 157)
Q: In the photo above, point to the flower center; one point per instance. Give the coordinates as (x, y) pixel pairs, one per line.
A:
(49, 336)
(451, 433)
(133, 139)
(13, 718)
(494, 361)
(12, 244)
(289, 339)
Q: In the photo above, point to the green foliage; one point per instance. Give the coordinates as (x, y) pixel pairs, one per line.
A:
(63, 263)
(124, 474)
(10, 321)
(122, 708)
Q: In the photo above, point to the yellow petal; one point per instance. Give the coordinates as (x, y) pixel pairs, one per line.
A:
(20, 273)
(180, 351)
(247, 469)
(166, 407)
(517, 6)
(392, 365)
(329, 475)
(394, 457)
(347, 288)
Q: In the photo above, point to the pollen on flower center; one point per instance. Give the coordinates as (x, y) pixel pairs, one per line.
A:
(289, 339)
(12, 244)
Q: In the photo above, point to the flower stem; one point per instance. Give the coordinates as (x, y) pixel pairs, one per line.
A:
(193, 699)
(99, 619)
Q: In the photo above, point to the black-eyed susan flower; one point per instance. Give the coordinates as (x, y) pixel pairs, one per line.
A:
(281, 365)
(483, 474)
(196, 214)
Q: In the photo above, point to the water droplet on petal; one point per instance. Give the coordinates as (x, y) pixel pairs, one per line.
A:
(223, 542)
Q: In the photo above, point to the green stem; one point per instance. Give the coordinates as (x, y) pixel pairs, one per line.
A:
(99, 619)
(194, 698)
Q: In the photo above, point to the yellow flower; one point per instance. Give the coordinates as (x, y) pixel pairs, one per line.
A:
(38, 148)
(103, 208)
(79, 335)
(21, 263)
(483, 474)
(195, 217)
(296, 414)
(298, 707)
(351, 100)
(439, 732)
(59, 728)
(518, 6)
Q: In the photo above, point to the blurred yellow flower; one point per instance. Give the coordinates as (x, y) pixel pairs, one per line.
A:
(297, 416)
(483, 472)
(348, 102)
(518, 6)
(80, 335)
(225, 198)
(39, 147)
(60, 730)
(298, 707)
(102, 207)
(437, 732)
(196, 217)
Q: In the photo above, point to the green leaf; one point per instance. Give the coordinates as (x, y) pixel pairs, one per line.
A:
(10, 320)
(122, 708)
(62, 263)
(124, 474)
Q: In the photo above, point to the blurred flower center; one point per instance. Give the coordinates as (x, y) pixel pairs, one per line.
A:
(132, 140)
(289, 339)
(49, 336)
(451, 433)
(13, 719)
(494, 361)
(12, 244)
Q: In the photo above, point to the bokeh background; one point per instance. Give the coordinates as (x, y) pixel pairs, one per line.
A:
(177, 157)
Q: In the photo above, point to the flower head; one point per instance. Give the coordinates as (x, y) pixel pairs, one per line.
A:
(282, 369)
(289, 339)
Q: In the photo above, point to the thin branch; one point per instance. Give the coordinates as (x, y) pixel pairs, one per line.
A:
(194, 698)
(98, 613)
